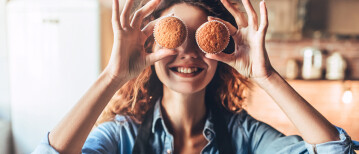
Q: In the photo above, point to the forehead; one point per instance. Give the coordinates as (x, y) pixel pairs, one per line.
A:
(191, 15)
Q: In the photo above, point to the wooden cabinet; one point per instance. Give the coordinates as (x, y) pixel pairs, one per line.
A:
(343, 17)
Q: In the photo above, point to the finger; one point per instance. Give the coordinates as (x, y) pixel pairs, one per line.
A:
(242, 17)
(233, 31)
(151, 58)
(236, 13)
(264, 17)
(223, 57)
(143, 12)
(252, 16)
(148, 29)
(115, 13)
(231, 28)
(125, 15)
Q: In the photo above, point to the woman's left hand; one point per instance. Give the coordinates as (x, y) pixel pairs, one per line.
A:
(250, 56)
(251, 60)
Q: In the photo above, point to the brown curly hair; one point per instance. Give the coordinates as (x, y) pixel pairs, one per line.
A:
(140, 94)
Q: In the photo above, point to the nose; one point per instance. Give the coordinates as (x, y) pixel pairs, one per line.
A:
(189, 49)
(188, 53)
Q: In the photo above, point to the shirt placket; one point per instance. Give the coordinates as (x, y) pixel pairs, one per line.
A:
(168, 148)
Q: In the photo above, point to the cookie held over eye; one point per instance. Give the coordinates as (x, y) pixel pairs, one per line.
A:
(212, 37)
(170, 32)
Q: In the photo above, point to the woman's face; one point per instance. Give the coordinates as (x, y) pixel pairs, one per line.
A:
(175, 71)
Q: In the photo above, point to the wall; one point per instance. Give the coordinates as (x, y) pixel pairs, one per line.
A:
(5, 136)
(106, 32)
(4, 71)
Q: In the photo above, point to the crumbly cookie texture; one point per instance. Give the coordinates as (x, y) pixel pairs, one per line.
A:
(170, 32)
(212, 37)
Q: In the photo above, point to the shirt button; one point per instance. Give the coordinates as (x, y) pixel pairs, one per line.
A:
(168, 151)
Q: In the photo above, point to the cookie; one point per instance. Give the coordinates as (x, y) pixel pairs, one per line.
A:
(212, 37)
(170, 32)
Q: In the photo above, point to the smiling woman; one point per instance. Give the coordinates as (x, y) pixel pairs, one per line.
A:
(183, 100)
(139, 94)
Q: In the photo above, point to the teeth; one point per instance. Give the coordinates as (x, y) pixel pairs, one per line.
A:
(187, 70)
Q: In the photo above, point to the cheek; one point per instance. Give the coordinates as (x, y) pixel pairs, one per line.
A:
(212, 67)
(160, 69)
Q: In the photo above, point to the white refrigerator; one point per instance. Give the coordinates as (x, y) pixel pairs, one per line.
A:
(54, 57)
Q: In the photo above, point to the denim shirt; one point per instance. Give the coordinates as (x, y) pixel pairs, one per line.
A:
(248, 136)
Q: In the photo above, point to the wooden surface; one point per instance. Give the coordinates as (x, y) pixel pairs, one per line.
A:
(325, 96)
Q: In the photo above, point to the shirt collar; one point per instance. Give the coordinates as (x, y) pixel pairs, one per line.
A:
(157, 115)
(208, 130)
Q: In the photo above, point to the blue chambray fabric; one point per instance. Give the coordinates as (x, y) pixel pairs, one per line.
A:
(248, 136)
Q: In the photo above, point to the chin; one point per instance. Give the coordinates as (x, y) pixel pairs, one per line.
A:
(185, 88)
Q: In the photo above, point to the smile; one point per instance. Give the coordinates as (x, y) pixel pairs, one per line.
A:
(186, 71)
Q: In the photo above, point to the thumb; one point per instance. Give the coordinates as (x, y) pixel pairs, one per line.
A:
(223, 57)
(148, 29)
(151, 58)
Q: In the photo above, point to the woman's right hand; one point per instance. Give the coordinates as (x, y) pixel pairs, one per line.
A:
(128, 57)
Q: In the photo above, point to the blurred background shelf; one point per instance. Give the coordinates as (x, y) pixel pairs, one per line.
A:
(280, 52)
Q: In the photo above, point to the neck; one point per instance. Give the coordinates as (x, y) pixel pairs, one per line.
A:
(184, 114)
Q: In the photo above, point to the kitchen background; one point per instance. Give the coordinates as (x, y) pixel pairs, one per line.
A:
(51, 51)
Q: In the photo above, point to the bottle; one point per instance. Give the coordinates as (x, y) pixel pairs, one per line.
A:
(312, 63)
(336, 67)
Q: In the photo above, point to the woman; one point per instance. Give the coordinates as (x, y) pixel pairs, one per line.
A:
(158, 110)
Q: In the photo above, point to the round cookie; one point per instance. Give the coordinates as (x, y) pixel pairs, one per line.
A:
(212, 37)
(170, 32)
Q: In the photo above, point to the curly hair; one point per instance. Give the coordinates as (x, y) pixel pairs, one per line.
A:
(139, 94)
